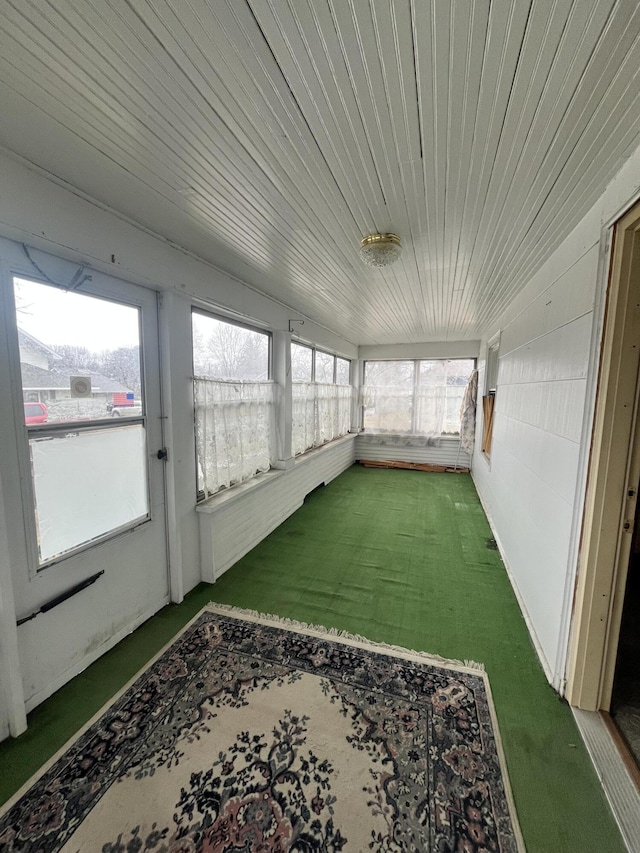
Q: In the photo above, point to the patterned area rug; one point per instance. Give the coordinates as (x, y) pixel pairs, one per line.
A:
(252, 734)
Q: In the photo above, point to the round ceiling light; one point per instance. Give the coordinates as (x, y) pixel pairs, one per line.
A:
(380, 250)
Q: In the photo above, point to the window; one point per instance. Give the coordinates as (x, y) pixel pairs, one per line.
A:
(491, 371)
(233, 402)
(301, 363)
(321, 397)
(415, 397)
(79, 356)
(490, 386)
(325, 365)
(343, 370)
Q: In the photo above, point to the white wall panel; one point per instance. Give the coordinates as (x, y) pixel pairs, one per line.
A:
(232, 524)
(533, 525)
(532, 487)
(435, 349)
(446, 451)
(568, 297)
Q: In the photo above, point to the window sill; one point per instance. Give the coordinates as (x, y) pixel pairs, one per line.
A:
(234, 493)
(302, 457)
(407, 438)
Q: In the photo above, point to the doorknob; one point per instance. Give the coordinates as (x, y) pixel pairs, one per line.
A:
(163, 453)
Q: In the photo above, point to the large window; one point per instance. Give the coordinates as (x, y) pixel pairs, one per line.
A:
(84, 416)
(416, 397)
(233, 401)
(321, 397)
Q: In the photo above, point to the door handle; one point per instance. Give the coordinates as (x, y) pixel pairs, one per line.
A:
(163, 453)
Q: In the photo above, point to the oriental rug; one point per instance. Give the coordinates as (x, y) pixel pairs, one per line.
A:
(250, 734)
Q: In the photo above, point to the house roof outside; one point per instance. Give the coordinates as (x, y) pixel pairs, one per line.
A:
(36, 379)
(25, 338)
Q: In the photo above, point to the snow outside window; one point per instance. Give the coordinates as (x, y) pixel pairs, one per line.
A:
(233, 403)
(416, 397)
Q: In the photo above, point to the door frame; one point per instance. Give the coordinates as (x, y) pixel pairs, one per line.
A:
(611, 494)
(22, 586)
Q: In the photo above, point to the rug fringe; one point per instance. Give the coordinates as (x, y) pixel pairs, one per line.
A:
(342, 634)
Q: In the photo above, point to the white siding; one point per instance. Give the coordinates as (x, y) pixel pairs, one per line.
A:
(232, 524)
(445, 451)
(533, 486)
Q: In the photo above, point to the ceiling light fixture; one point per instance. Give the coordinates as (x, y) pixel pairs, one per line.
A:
(380, 250)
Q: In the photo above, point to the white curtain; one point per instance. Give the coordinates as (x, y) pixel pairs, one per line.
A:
(431, 403)
(431, 410)
(303, 424)
(233, 432)
(321, 412)
(387, 408)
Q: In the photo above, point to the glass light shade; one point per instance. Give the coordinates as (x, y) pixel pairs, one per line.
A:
(380, 250)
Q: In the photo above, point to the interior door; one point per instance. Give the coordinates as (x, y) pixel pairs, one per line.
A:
(88, 409)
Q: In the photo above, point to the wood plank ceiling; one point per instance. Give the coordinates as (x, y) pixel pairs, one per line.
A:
(270, 136)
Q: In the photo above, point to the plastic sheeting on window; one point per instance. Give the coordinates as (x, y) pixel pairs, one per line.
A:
(87, 484)
(233, 432)
(321, 412)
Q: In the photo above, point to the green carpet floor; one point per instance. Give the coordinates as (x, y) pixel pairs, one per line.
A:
(400, 557)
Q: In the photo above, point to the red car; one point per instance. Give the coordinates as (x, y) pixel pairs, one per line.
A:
(35, 413)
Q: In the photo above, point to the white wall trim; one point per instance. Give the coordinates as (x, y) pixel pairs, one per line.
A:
(175, 566)
(427, 349)
(593, 367)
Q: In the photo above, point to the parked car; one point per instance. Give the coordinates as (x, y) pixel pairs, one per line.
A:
(133, 410)
(35, 413)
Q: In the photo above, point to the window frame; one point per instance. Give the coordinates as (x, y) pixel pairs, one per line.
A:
(415, 385)
(313, 360)
(492, 364)
(333, 372)
(99, 290)
(196, 308)
(222, 318)
(313, 381)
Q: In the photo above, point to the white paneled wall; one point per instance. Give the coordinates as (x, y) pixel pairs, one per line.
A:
(533, 485)
(529, 485)
(444, 451)
(233, 523)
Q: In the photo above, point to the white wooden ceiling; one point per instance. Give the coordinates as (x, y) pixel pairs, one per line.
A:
(270, 136)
